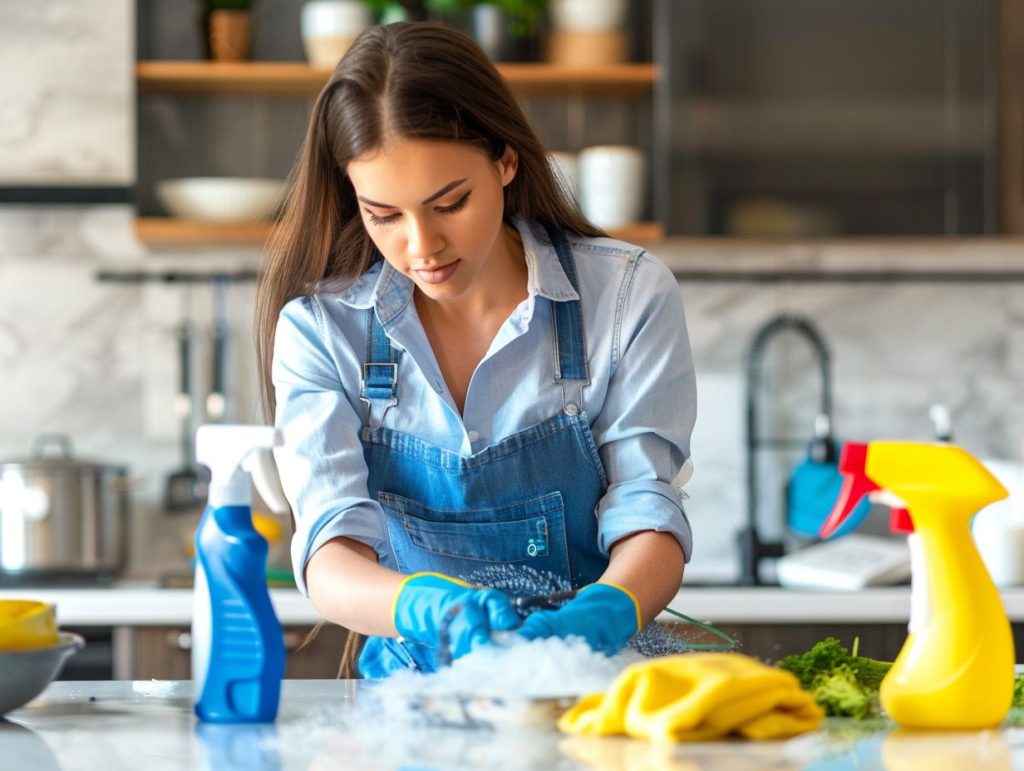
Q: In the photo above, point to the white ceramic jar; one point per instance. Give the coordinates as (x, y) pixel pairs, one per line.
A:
(587, 33)
(329, 27)
(587, 15)
(610, 181)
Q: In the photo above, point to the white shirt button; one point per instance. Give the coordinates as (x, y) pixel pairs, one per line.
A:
(571, 409)
(473, 436)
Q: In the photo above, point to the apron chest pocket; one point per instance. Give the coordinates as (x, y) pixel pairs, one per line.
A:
(524, 530)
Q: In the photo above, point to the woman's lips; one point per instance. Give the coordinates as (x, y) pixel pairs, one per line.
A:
(437, 275)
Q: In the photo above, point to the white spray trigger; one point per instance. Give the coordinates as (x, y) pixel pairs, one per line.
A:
(259, 463)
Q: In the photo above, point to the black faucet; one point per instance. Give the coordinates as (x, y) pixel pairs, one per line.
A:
(751, 547)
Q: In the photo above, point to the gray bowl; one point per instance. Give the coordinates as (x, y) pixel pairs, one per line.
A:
(25, 674)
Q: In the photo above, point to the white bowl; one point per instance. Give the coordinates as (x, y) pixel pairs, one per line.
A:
(220, 198)
(24, 674)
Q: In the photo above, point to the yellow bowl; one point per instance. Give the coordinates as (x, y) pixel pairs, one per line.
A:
(26, 624)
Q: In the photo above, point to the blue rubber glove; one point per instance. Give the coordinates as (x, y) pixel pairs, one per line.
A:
(605, 615)
(430, 606)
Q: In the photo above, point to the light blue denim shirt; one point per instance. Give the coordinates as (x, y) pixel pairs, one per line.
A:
(641, 402)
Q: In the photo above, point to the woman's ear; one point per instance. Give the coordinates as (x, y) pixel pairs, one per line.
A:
(508, 165)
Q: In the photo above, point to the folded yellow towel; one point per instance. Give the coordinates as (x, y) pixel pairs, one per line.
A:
(697, 697)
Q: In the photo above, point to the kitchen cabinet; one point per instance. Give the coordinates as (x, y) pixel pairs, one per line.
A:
(1010, 24)
(164, 652)
(799, 118)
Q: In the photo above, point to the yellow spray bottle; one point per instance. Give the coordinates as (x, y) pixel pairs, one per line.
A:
(956, 668)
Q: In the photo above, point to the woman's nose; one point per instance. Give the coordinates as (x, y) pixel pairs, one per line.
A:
(423, 239)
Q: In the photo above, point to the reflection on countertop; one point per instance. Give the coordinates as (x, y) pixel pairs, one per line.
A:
(320, 726)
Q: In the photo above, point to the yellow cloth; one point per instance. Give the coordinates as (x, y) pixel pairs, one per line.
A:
(697, 697)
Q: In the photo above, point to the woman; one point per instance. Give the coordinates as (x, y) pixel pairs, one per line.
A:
(467, 373)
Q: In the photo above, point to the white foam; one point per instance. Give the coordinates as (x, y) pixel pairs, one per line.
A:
(516, 667)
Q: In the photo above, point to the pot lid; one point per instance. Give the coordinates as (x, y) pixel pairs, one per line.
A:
(53, 453)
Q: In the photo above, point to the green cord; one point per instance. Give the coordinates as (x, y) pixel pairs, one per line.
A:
(730, 641)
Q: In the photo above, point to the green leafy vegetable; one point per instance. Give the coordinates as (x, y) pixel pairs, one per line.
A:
(843, 683)
(1018, 691)
(841, 694)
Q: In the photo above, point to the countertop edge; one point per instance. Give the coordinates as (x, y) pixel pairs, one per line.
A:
(140, 605)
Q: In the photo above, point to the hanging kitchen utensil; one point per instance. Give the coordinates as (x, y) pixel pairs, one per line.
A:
(186, 487)
(216, 398)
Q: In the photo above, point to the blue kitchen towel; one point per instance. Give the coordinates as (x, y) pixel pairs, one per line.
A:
(812, 492)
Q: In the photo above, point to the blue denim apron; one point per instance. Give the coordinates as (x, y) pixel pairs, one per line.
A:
(530, 500)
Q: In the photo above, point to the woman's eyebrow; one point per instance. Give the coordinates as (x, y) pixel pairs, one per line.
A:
(428, 199)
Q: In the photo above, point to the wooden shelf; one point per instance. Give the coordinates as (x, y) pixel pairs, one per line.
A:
(639, 232)
(300, 79)
(170, 231)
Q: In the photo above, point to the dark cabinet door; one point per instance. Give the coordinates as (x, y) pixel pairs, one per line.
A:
(810, 118)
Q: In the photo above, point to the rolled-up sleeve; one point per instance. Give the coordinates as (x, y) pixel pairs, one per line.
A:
(321, 463)
(644, 427)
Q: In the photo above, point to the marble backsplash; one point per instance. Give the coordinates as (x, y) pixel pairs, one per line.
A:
(67, 92)
(98, 361)
(896, 349)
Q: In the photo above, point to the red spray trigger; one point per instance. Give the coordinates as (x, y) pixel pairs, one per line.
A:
(852, 465)
(900, 521)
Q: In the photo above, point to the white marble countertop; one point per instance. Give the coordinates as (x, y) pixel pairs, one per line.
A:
(144, 604)
(150, 725)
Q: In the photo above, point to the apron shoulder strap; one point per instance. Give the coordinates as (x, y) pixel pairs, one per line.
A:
(379, 388)
(571, 372)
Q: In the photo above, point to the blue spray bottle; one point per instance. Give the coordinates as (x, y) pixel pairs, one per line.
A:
(237, 641)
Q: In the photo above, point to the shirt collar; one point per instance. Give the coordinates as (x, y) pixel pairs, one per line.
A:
(381, 286)
(387, 289)
(545, 276)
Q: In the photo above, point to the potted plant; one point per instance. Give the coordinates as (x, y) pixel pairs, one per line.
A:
(227, 29)
(399, 10)
(509, 30)
(505, 29)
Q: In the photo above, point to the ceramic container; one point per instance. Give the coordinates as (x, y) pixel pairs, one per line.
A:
(329, 27)
(611, 184)
(220, 198)
(588, 15)
(587, 33)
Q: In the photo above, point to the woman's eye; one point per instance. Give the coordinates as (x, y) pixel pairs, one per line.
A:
(377, 220)
(455, 206)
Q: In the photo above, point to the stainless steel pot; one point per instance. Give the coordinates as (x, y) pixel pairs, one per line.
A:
(60, 517)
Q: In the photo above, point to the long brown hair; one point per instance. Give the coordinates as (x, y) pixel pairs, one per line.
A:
(418, 80)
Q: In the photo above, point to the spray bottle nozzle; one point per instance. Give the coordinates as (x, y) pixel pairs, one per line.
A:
(856, 484)
(232, 453)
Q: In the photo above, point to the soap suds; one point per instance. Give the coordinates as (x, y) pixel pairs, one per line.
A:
(515, 681)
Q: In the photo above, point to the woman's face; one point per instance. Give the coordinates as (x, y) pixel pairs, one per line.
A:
(434, 209)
